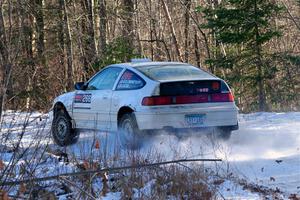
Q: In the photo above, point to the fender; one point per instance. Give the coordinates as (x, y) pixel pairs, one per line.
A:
(67, 101)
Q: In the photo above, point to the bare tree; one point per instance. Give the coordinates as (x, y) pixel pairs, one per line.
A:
(69, 48)
(87, 34)
(69, 36)
(187, 4)
(61, 39)
(91, 29)
(6, 66)
(102, 26)
(169, 19)
(127, 32)
(196, 48)
(39, 16)
(27, 46)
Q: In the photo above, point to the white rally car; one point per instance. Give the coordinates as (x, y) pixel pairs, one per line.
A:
(137, 97)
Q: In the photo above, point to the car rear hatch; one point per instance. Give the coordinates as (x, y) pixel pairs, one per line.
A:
(190, 92)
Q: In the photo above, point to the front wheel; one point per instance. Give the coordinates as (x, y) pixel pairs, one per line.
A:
(129, 134)
(62, 131)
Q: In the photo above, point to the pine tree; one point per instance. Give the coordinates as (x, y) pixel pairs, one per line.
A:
(243, 27)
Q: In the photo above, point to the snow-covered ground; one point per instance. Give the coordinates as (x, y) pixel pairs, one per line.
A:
(265, 150)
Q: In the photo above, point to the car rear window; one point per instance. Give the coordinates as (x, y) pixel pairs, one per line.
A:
(190, 87)
(173, 72)
(130, 81)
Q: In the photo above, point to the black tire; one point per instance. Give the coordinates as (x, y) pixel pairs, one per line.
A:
(129, 134)
(62, 131)
(223, 133)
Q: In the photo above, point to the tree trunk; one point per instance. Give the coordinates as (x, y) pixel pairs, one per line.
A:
(151, 26)
(61, 41)
(91, 30)
(216, 51)
(70, 82)
(206, 42)
(27, 40)
(40, 29)
(88, 35)
(102, 26)
(5, 65)
(196, 48)
(128, 25)
(259, 66)
(169, 19)
(137, 24)
(43, 72)
(187, 4)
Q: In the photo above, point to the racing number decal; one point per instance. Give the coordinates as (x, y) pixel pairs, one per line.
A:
(83, 98)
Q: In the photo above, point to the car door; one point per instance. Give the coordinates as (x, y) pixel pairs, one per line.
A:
(91, 107)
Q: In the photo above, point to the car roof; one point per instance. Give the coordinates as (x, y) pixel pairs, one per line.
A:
(148, 63)
(145, 64)
(140, 65)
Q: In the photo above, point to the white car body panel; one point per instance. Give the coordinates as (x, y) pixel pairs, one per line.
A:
(174, 116)
(67, 100)
(101, 112)
(129, 98)
(94, 114)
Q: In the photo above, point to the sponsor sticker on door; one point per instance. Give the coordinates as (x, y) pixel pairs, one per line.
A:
(83, 98)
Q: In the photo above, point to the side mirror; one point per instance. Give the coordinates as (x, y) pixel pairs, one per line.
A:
(79, 86)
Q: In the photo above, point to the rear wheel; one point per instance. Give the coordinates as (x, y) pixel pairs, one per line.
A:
(129, 134)
(223, 133)
(62, 131)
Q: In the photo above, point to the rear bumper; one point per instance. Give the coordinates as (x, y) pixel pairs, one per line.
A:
(189, 131)
(175, 118)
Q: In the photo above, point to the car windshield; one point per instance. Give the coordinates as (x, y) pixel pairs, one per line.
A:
(173, 72)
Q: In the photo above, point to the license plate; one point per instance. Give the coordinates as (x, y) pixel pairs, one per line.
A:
(195, 119)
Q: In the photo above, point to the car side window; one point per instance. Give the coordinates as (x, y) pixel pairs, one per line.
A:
(105, 80)
(130, 81)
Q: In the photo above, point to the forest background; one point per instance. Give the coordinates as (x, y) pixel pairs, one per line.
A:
(48, 45)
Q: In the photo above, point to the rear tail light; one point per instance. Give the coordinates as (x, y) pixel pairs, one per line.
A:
(203, 98)
(192, 99)
(222, 97)
(154, 101)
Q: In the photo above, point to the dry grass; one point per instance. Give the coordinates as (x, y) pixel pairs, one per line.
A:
(38, 159)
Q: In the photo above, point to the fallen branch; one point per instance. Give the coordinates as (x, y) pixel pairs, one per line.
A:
(115, 169)
(74, 185)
